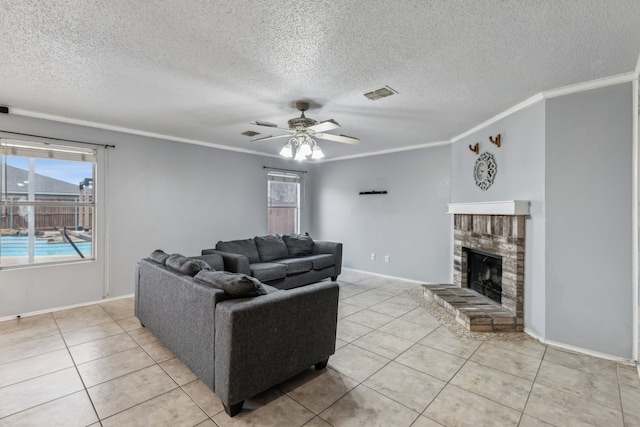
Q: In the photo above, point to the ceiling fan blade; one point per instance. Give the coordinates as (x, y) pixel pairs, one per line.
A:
(261, 123)
(266, 138)
(269, 125)
(325, 126)
(338, 138)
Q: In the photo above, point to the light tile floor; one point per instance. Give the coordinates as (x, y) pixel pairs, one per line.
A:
(395, 365)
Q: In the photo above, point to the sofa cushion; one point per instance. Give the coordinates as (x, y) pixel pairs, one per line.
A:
(182, 264)
(298, 244)
(246, 247)
(265, 271)
(233, 284)
(296, 265)
(213, 260)
(271, 247)
(159, 256)
(321, 261)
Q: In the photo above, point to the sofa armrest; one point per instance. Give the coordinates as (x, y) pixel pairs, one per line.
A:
(235, 263)
(265, 340)
(334, 248)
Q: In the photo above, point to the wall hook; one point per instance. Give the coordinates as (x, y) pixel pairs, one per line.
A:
(475, 148)
(496, 141)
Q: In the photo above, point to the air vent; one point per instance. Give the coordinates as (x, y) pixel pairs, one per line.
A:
(250, 133)
(380, 93)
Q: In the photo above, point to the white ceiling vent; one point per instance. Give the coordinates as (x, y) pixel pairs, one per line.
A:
(250, 133)
(380, 93)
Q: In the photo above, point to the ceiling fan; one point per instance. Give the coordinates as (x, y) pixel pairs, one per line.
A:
(301, 133)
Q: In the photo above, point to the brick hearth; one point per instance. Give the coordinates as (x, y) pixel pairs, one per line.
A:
(472, 310)
(502, 235)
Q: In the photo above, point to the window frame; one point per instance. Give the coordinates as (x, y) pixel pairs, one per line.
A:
(32, 150)
(291, 177)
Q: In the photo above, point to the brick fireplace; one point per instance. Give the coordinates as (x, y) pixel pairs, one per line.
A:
(496, 229)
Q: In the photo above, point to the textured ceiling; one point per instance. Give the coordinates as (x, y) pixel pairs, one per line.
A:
(203, 70)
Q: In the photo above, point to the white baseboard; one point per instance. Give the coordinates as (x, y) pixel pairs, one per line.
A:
(581, 350)
(66, 307)
(420, 282)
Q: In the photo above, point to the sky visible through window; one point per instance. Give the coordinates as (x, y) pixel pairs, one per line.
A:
(68, 171)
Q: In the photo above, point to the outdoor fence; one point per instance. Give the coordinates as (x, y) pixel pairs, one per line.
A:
(282, 220)
(46, 218)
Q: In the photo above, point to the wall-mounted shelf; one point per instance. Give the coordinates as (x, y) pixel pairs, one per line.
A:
(372, 192)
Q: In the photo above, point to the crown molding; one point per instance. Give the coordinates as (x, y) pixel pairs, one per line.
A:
(565, 90)
(592, 84)
(500, 116)
(390, 151)
(37, 115)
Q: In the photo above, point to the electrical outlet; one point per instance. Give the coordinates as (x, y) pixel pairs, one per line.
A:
(373, 257)
(386, 258)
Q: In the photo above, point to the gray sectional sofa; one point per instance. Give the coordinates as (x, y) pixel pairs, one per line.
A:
(283, 262)
(239, 336)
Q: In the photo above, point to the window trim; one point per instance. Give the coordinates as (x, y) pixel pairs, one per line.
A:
(291, 177)
(44, 150)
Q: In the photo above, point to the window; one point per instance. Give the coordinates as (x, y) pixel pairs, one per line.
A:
(283, 203)
(47, 210)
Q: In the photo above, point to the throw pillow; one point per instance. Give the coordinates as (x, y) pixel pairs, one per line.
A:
(203, 265)
(271, 247)
(245, 247)
(182, 264)
(159, 256)
(214, 260)
(298, 244)
(233, 284)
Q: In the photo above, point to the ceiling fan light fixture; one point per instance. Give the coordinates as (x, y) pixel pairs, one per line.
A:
(302, 131)
(305, 148)
(287, 150)
(316, 153)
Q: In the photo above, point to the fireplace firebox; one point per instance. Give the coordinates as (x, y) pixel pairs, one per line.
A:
(484, 274)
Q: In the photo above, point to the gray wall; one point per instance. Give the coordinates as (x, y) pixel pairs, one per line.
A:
(520, 176)
(589, 229)
(409, 223)
(160, 194)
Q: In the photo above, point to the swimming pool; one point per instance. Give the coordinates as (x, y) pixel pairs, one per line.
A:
(19, 246)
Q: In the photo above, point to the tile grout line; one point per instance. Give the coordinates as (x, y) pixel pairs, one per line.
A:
(537, 376)
(178, 386)
(75, 365)
(137, 370)
(449, 381)
(533, 383)
(394, 360)
(468, 359)
(620, 394)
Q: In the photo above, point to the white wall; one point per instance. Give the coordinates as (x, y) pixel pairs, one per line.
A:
(409, 223)
(520, 176)
(160, 194)
(571, 156)
(589, 222)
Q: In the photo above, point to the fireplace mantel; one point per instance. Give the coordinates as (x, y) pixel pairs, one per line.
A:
(507, 207)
